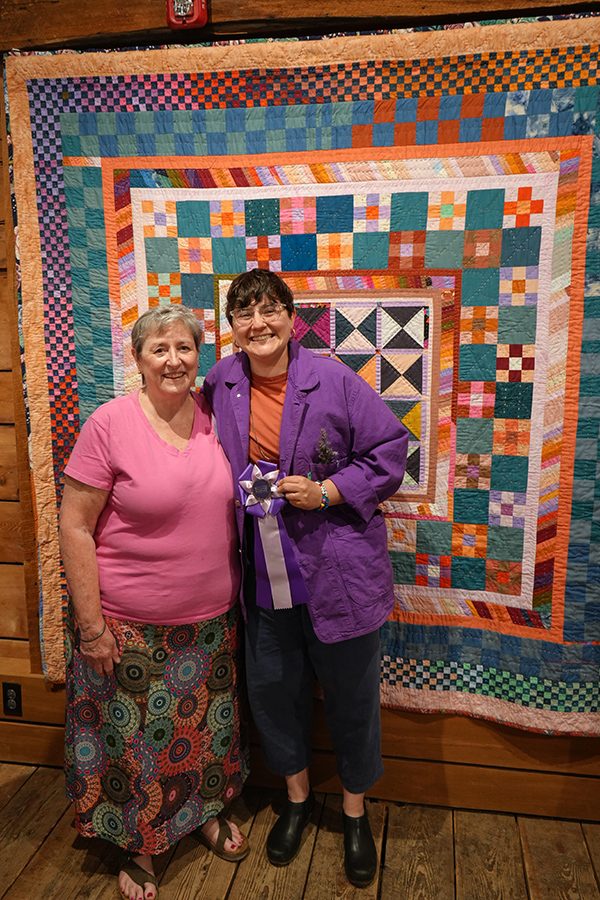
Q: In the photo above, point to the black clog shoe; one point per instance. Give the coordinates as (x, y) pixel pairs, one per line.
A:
(360, 855)
(285, 837)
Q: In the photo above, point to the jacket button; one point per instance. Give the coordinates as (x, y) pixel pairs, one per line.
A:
(238, 503)
(238, 396)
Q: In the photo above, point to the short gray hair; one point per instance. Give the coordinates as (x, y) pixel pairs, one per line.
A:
(156, 320)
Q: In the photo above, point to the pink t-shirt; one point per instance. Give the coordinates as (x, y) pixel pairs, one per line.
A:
(166, 541)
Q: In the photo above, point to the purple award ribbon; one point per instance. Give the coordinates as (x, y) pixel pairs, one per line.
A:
(279, 582)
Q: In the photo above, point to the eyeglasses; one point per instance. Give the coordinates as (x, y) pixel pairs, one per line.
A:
(268, 313)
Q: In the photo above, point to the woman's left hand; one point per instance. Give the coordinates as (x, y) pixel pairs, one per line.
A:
(301, 492)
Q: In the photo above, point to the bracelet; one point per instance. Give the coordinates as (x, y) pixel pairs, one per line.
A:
(324, 496)
(92, 639)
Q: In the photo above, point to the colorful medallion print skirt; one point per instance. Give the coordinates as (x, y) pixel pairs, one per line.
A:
(153, 751)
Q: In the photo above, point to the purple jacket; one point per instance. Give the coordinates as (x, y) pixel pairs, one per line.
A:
(342, 551)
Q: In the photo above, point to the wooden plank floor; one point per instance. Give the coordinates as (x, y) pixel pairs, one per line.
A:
(427, 853)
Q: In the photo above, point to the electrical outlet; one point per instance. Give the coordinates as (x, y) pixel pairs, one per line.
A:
(11, 699)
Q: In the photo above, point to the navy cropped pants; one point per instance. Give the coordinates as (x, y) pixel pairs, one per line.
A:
(283, 656)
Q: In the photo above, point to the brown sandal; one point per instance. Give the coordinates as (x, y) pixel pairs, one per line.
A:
(224, 834)
(138, 874)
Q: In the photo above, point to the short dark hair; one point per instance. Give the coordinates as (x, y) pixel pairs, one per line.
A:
(252, 286)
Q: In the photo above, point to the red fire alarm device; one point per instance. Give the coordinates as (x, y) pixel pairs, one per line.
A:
(187, 13)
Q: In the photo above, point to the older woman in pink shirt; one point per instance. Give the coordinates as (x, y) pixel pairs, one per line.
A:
(149, 545)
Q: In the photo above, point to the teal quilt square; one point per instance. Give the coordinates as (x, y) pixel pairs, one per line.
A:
(89, 145)
(71, 145)
(505, 543)
(73, 178)
(471, 506)
(586, 99)
(262, 217)
(208, 357)
(75, 217)
(371, 250)
(106, 123)
(434, 537)
(513, 401)
(144, 121)
(583, 509)
(94, 219)
(181, 121)
(509, 473)
(80, 273)
(474, 436)
(96, 239)
(127, 145)
(517, 325)
(477, 362)
(404, 567)
(521, 246)
(162, 254)
(74, 196)
(78, 237)
(298, 252)
(485, 209)
(69, 123)
(467, 573)
(164, 144)
(91, 176)
(197, 291)
(229, 255)
(409, 212)
(193, 218)
(335, 214)
(92, 196)
(216, 121)
(80, 260)
(480, 287)
(444, 249)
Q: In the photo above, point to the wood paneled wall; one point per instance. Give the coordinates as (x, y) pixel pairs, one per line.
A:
(442, 760)
(19, 644)
(13, 616)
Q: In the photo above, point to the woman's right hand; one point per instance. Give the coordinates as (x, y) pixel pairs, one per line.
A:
(102, 654)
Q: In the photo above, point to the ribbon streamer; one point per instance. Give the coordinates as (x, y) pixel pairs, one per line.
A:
(279, 582)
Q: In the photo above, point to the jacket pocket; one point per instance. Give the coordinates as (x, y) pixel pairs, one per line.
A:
(319, 471)
(363, 559)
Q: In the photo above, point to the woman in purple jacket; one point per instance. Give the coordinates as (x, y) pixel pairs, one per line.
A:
(315, 451)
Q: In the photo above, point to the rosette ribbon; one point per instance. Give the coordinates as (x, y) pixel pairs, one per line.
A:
(279, 582)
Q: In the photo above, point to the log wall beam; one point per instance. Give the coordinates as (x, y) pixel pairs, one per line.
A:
(52, 23)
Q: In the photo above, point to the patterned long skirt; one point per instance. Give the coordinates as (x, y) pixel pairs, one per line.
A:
(153, 751)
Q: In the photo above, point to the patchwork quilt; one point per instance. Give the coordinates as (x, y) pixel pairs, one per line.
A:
(433, 200)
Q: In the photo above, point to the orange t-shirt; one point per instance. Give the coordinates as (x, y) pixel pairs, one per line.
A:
(267, 396)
